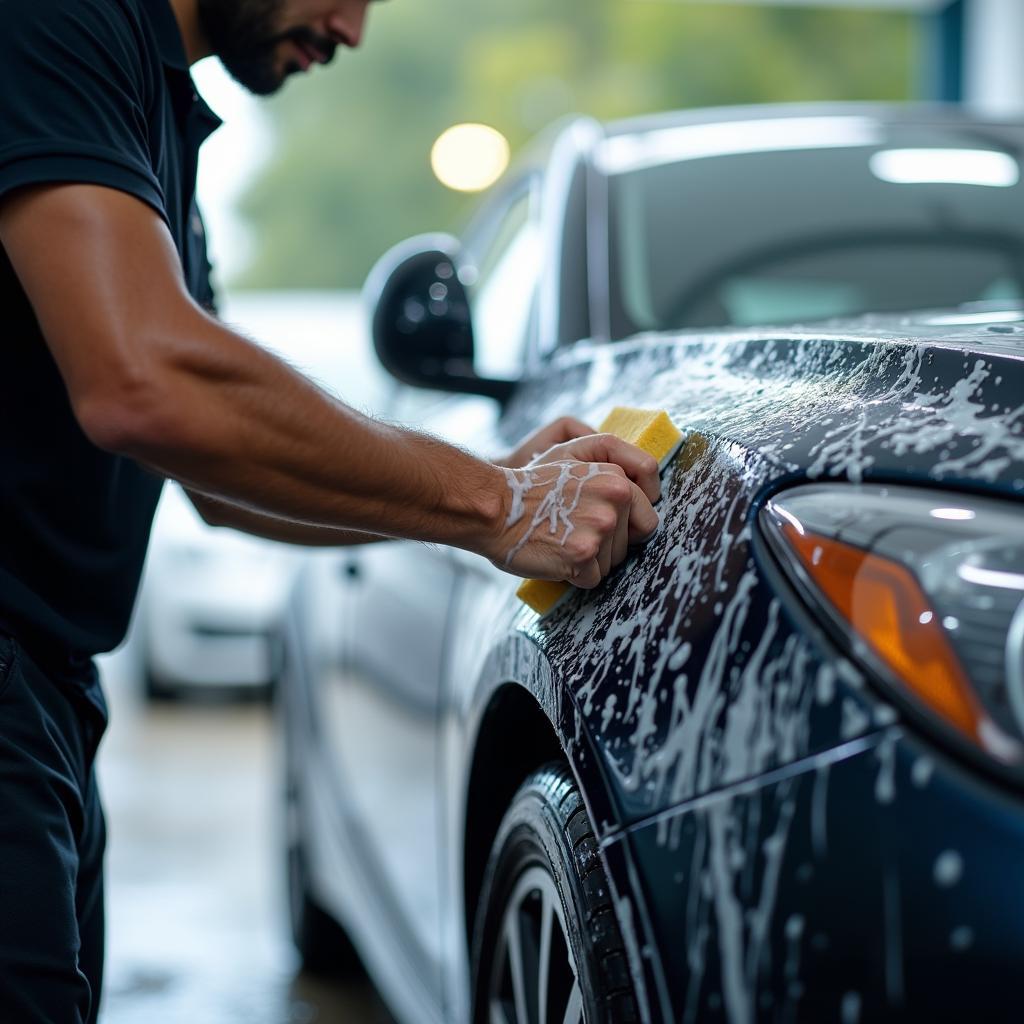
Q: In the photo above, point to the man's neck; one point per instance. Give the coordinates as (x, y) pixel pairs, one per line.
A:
(187, 14)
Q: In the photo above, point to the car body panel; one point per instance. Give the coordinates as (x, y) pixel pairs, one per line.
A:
(837, 891)
(362, 894)
(890, 410)
(768, 691)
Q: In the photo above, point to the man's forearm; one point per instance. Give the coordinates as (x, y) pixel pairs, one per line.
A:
(232, 421)
(217, 512)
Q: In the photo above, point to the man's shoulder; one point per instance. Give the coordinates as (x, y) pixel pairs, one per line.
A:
(49, 37)
(56, 11)
(58, 17)
(80, 92)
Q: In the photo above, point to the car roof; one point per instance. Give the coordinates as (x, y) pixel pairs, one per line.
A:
(937, 114)
(535, 154)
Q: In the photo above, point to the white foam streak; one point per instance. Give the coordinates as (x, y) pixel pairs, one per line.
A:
(556, 507)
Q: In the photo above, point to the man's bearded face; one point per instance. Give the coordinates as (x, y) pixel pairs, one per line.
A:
(258, 53)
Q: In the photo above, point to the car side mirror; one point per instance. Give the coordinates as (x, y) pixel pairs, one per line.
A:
(420, 318)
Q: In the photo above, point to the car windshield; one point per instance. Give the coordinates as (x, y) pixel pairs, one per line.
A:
(783, 221)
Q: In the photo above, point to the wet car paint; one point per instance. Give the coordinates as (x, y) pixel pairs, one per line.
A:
(874, 884)
(691, 608)
(687, 674)
(716, 731)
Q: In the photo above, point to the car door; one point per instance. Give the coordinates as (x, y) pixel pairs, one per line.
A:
(384, 696)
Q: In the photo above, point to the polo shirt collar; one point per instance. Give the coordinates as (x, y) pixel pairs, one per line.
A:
(172, 53)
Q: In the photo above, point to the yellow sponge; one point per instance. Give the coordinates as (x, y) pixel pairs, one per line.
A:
(650, 430)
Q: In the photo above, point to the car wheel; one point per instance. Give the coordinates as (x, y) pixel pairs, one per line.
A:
(547, 945)
(322, 944)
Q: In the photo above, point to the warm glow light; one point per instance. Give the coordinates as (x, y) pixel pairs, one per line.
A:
(986, 167)
(470, 157)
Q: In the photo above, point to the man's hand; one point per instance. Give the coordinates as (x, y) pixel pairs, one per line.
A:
(561, 430)
(574, 511)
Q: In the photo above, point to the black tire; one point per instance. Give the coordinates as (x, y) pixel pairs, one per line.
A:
(322, 943)
(545, 875)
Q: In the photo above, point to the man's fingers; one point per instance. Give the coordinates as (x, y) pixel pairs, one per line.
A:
(620, 542)
(539, 444)
(640, 467)
(570, 428)
(643, 520)
(587, 576)
(604, 555)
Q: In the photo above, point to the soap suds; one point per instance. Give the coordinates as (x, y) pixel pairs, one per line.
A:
(555, 509)
(948, 870)
(922, 770)
(850, 1008)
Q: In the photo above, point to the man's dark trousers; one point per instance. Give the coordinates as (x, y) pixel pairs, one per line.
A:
(52, 837)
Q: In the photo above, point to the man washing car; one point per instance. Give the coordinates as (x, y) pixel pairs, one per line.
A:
(116, 375)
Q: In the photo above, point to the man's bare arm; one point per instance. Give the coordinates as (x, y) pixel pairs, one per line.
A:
(217, 512)
(152, 376)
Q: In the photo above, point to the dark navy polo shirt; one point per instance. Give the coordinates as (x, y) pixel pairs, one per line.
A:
(95, 92)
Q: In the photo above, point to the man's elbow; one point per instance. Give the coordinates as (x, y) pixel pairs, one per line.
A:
(133, 417)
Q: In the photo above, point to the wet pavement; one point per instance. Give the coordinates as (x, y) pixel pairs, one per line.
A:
(196, 919)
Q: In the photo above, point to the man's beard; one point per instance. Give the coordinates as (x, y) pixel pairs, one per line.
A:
(244, 35)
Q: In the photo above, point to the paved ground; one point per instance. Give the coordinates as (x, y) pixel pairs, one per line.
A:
(196, 919)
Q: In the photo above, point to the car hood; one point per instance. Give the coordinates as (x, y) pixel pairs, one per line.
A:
(936, 396)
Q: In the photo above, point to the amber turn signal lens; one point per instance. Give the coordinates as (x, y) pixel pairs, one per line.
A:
(884, 606)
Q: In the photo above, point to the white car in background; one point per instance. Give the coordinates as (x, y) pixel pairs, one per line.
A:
(211, 597)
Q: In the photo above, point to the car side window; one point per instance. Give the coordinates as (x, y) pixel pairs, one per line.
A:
(503, 297)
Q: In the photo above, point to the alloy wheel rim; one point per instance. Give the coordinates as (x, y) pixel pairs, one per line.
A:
(534, 976)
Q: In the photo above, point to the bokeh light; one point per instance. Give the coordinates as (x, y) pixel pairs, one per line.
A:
(470, 157)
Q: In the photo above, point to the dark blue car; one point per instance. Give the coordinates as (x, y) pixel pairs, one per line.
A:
(770, 770)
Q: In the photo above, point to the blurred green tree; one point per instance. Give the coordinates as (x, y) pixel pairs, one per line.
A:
(349, 174)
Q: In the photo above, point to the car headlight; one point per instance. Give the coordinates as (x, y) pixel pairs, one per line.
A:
(927, 590)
